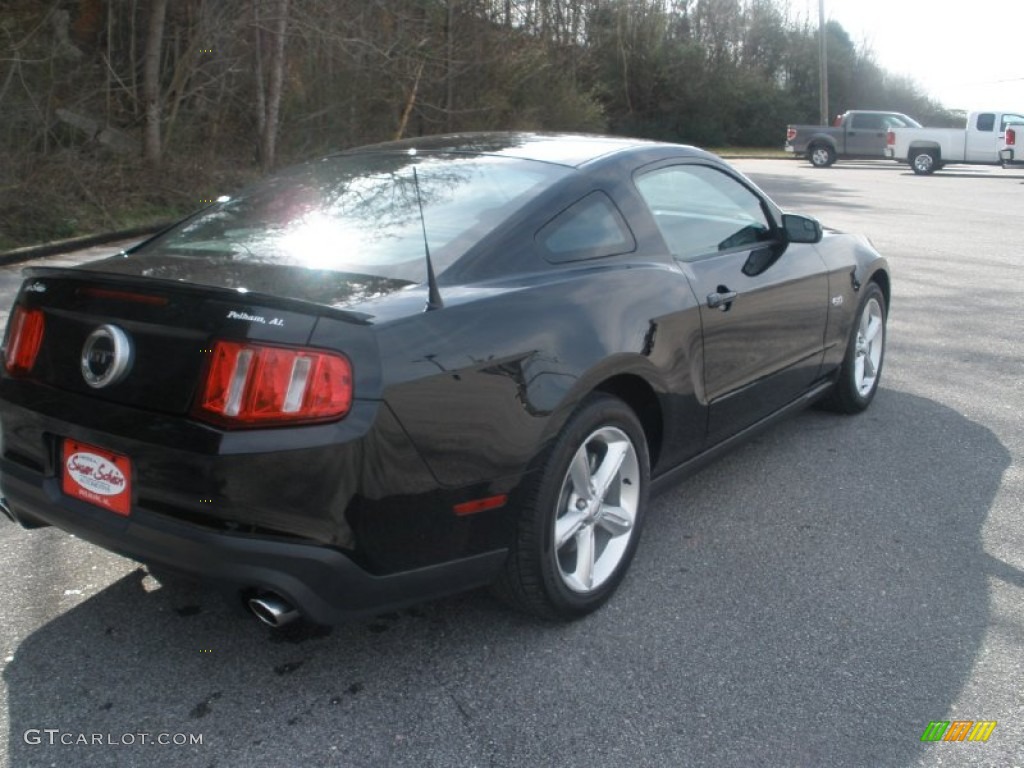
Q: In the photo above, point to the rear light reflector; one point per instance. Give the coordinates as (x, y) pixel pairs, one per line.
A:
(890, 138)
(1011, 137)
(790, 134)
(258, 385)
(24, 340)
(480, 505)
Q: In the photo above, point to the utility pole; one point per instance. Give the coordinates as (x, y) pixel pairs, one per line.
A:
(823, 63)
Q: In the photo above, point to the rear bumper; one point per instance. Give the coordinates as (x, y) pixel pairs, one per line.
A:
(321, 581)
(1007, 156)
(340, 519)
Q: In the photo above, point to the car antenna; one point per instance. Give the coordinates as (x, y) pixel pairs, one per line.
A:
(433, 294)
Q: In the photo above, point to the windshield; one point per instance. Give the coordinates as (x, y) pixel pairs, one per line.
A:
(362, 214)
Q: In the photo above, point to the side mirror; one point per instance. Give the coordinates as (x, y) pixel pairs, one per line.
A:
(801, 229)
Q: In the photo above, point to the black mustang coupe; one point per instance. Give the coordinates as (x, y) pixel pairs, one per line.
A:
(420, 367)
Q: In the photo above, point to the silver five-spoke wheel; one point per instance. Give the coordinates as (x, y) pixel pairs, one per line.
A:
(596, 509)
(857, 381)
(869, 345)
(582, 513)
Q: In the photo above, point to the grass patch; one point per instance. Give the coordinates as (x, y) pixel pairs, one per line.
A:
(67, 194)
(755, 152)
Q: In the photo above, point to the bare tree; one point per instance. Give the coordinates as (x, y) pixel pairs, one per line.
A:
(151, 82)
(81, 79)
(269, 84)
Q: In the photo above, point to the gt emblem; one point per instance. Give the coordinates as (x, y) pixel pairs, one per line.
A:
(106, 356)
(837, 301)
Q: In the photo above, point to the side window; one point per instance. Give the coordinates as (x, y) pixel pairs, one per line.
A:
(867, 122)
(702, 211)
(986, 121)
(588, 229)
(1010, 120)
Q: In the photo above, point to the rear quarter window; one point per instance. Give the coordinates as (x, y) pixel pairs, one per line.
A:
(588, 229)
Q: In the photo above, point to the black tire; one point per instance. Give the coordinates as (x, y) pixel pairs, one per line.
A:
(924, 162)
(862, 367)
(545, 579)
(821, 155)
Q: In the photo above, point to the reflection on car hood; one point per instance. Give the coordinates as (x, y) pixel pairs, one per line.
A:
(320, 286)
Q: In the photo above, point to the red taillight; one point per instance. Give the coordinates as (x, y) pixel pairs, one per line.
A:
(1011, 137)
(890, 138)
(24, 340)
(790, 134)
(255, 385)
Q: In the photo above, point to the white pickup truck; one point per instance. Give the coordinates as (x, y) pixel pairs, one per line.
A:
(928, 149)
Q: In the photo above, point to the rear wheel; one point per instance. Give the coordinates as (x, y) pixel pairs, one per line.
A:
(581, 522)
(924, 161)
(862, 366)
(821, 155)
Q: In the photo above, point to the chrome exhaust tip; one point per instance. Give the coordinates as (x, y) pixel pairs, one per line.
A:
(273, 610)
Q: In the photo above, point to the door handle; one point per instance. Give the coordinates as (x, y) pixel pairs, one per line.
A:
(721, 299)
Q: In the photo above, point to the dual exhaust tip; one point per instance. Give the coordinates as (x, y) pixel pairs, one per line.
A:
(273, 610)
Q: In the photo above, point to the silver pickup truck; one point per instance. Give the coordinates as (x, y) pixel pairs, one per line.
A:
(858, 133)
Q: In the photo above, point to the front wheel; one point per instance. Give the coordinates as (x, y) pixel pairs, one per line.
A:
(924, 162)
(862, 366)
(581, 521)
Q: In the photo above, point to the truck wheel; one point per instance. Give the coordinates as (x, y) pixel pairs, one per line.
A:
(924, 161)
(821, 155)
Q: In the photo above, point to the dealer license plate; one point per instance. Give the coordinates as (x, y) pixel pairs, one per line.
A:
(97, 476)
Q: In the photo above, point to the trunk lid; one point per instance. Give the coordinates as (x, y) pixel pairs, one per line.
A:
(169, 326)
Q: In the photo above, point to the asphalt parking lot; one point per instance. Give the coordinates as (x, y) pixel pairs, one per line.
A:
(816, 598)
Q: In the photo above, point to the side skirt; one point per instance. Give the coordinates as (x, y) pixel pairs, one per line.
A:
(664, 481)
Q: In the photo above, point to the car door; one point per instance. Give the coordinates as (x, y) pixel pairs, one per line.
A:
(763, 302)
(983, 140)
(865, 136)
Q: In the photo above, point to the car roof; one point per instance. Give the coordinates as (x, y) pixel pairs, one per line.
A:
(570, 149)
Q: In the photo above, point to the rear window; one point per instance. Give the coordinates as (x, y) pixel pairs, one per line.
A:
(867, 121)
(362, 214)
(901, 121)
